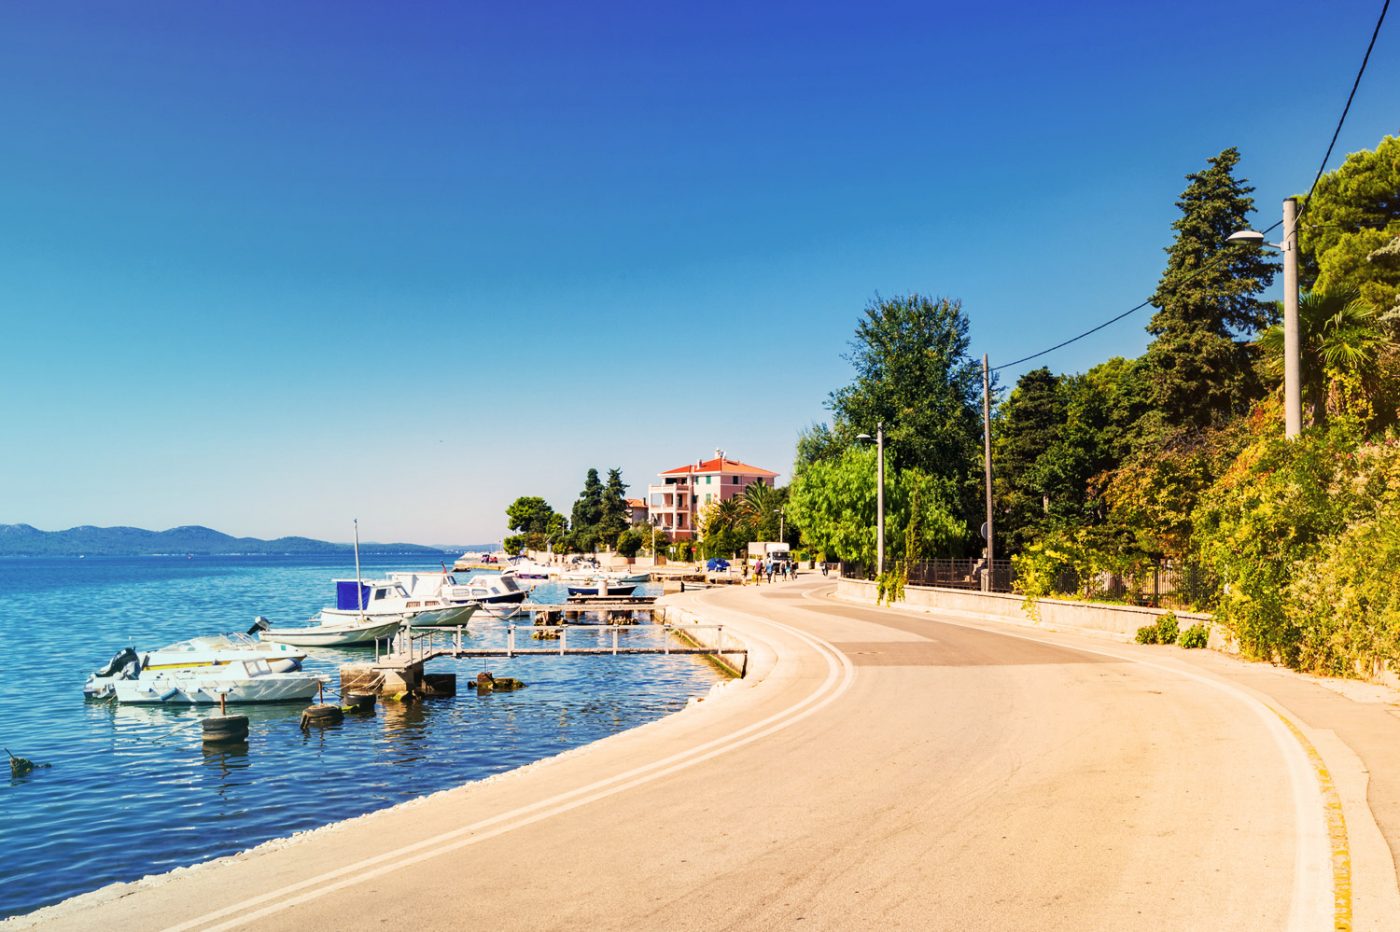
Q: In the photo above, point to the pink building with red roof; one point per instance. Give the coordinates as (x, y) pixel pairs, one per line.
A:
(683, 492)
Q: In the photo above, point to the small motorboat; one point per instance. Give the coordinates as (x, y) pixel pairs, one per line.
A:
(601, 587)
(332, 633)
(238, 682)
(498, 594)
(530, 573)
(208, 651)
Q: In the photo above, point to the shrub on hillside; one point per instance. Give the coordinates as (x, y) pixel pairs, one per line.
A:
(1194, 637)
(1167, 628)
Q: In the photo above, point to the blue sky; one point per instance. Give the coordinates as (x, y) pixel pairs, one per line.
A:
(269, 267)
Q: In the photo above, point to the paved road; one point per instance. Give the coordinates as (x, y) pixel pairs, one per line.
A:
(885, 769)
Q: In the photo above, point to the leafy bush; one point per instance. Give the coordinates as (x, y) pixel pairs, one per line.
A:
(1147, 634)
(1194, 637)
(889, 585)
(1343, 599)
(1167, 628)
(1273, 508)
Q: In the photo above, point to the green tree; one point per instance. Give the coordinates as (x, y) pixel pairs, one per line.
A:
(530, 514)
(1200, 363)
(1349, 237)
(615, 515)
(1026, 427)
(725, 527)
(536, 521)
(588, 513)
(631, 541)
(764, 507)
(817, 442)
(914, 374)
(1339, 336)
(833, 502)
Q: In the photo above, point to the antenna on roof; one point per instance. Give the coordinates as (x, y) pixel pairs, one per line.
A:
(719, 454)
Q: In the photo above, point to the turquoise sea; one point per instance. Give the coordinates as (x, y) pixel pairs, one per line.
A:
(131, 791)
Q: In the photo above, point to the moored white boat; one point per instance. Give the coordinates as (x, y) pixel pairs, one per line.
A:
(333, 633)
(383, 600)
(498, 594)
(529, 573)
(206, 651)
(238, 682)
(601, 587)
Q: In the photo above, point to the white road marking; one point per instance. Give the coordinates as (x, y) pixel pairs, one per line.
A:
(840, 674)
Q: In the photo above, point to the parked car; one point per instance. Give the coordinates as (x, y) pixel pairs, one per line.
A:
(717, 565)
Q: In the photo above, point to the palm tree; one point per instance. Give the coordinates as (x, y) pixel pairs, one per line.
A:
(1338, 334)
(724, 526)
(761, 505)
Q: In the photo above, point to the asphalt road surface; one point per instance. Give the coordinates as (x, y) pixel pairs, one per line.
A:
(880, 768)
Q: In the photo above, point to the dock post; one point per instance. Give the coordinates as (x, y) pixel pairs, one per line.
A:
(459, 639)
(614, 641)
(563, 632)
(665, 639)
(510, 640)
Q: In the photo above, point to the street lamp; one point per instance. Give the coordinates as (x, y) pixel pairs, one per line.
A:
(879, 495)
(1292, 392)
(782, 515)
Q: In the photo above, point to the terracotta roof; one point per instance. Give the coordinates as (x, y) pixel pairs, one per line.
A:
(636, 503)
(720, 465)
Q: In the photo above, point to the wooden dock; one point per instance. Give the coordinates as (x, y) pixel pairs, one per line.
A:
(401, 670)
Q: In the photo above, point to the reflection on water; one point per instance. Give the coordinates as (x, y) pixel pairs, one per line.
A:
(133, 790)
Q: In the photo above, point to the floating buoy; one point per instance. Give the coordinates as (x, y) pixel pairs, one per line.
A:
(359, 703)
(225, 729)
(321, 715)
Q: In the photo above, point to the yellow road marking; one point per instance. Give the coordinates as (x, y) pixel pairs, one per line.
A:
(1336, 831)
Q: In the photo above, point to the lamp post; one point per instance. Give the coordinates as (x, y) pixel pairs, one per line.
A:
(989, 578)
(879, 495)
(1292, 391)
(782, 527)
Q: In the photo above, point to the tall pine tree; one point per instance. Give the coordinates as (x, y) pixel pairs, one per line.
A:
(588, 512)
(1200, 363)
(1027, 425)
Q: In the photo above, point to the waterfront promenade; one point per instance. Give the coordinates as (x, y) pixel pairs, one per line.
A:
(879, 766)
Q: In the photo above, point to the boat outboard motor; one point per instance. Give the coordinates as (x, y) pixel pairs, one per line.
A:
(126, 665)
(119, 662)
(259, 624)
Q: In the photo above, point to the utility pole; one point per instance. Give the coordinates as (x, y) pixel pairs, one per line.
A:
(987, 466)
(1292, 392)
(880, 498)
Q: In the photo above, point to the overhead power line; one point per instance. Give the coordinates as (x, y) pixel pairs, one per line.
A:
(1385, 6)
(1347, 109)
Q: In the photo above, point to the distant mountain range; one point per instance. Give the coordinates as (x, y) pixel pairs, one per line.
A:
(22, 540)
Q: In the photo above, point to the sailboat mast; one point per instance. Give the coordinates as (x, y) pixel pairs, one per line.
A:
(359, 584)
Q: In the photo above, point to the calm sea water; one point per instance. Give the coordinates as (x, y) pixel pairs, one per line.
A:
(130, 790)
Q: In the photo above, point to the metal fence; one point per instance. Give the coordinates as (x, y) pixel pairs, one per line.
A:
(1178, 584)
(949, 573)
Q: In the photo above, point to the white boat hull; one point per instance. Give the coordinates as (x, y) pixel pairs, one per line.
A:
(175, 690)
(333, 633)
(449, 616)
